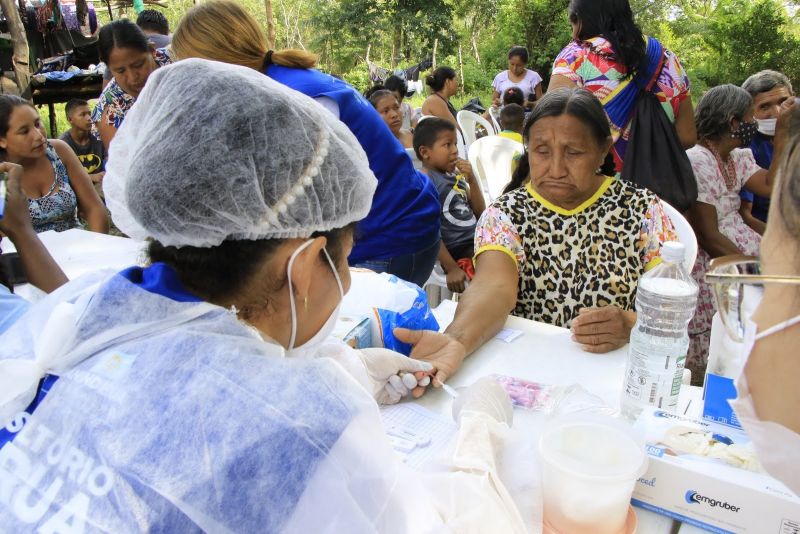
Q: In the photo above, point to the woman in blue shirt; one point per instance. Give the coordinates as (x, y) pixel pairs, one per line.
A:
(401, 233)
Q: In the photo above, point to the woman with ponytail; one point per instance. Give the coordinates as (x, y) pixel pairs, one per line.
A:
(607, 52)
(401, 233)
(566, 249)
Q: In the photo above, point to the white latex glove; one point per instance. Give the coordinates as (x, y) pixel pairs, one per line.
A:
(384, 368)
(487, 397)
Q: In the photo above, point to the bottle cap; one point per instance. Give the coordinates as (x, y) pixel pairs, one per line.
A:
(673, 252)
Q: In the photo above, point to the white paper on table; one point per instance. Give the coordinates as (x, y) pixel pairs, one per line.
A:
(433, 432)
(507, 335)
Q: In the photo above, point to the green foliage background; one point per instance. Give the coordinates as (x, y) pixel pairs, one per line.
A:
(718, 41)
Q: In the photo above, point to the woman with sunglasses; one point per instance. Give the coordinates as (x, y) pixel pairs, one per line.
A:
(767, 392)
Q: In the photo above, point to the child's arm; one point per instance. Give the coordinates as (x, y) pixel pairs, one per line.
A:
(456, 278)
(476, 200)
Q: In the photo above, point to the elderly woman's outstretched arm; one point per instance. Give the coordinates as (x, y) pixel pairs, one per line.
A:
(482, 311)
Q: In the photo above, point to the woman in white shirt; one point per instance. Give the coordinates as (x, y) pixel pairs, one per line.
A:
(518, 75)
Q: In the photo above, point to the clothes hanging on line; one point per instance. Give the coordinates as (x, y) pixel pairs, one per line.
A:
(378, 74)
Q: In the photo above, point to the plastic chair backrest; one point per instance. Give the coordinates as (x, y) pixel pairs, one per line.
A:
(497, 127)
(491, 159)
(685, 234)
(414, 159)
(467, 121)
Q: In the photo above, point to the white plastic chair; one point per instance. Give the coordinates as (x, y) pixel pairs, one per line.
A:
(467, 121)
(414, 159)
(491, 158)
(497, 127)
(685, 234)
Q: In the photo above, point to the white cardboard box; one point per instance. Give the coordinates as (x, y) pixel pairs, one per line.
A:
(708, 493)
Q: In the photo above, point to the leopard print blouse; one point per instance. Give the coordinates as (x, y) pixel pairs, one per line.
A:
(590, 256)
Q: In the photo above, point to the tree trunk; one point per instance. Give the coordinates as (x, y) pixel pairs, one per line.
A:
(433, 57)
(21, 57)
(475, 47)
(270, 24)
(397, 43)
(461, 69)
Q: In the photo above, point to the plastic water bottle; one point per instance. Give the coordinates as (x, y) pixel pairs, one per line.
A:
(665, 303)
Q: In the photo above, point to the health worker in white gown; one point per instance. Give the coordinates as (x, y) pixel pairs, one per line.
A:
(159, 399)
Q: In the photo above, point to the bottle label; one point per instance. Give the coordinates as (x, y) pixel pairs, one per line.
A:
(654, 379)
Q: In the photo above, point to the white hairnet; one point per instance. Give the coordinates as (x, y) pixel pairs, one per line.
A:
(212, 151)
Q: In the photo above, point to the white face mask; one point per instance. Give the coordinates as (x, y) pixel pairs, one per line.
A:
(329, 325)
(777, 446)
(767, 126)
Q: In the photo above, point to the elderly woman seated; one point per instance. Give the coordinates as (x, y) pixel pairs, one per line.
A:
(567, 249)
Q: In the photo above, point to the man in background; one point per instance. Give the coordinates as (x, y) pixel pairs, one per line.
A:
(155, 25)
(769, 89)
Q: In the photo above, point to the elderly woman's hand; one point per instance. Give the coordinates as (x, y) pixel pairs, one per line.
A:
(444, 352)
(603, 329)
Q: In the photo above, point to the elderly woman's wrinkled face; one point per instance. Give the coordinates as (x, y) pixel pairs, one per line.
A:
(564, 158)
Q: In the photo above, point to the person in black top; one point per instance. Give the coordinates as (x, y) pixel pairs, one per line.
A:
(84, 143)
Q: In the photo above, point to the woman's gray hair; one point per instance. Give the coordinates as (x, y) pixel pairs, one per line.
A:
(717, 107)
(766, 80)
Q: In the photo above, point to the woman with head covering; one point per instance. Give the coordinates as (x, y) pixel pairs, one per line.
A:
(724, 166)
(401, 233)
(158, 398)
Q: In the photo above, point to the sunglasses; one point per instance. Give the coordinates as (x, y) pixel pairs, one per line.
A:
(738, 285)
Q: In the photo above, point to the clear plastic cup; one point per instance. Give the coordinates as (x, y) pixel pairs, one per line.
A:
(589, 468)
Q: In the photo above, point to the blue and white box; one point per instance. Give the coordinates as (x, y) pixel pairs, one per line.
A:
(706, 474)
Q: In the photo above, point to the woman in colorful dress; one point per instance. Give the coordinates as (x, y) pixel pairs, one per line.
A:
(131, 58)
(607, 51)
(567, 249)
(723, 167)
(53, 178)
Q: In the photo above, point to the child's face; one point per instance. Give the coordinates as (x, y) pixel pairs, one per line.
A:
(389, 108)
(442, 156)
(81, 118)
